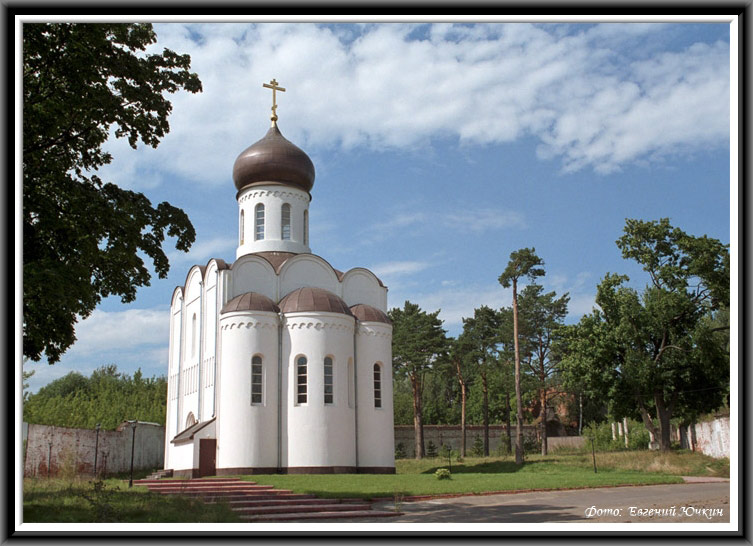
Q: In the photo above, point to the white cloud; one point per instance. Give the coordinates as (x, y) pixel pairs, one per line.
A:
(480, 220)
(204, 250)
(398, 268)
(378, 86)
(114, 331)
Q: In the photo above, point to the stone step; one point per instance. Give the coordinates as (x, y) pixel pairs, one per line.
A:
(299, 508)
(208, 487)
(320, 516)
(258, 495)
(193, 481)
(223, 492)
(201, 490)
(245, 503)
(178, 483)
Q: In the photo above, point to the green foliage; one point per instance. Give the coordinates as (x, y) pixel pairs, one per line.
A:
(655, 354)
(107, 397)
(477, 449)
(400, 451)
(523, 263)
(431, 449)
(84, 238)
(601, 434)
(443, 474)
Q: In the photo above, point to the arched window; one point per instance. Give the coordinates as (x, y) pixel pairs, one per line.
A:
(242, 227)
(190, 420)
(193, 335)
(256, 380)
(329, 396)
(285, 227)
(305, 227)
(301, 379)
(259, 222)
(377, 386)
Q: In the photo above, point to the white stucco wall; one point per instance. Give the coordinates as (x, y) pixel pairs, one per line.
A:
(253, 274)
(361, 286)
(247, 434)
(273, 196)
(376, 442)
(318, 434)
(308, 270)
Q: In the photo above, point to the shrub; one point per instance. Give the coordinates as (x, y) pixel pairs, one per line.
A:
(478, 447)
(400, 451)
(431, 449)
(601, 434)
(443, 474)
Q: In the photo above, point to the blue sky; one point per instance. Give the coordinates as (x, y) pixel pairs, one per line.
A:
(439, 149)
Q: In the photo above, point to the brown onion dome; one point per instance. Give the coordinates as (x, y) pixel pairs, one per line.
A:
(274, 159)
(313, 299)
(250, 301)
(367, 313)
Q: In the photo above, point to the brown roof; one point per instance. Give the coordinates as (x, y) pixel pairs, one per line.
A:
(274, 159)
(313, 299)
(250, 301)
(188, 433)
(367, 313)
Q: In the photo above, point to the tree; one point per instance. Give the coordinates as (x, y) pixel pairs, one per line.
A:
(481, 338)
(458, 362)
(418, 340)
(523, 263)
(82, 236)
(106, 397)
(541, 316)
(657, 352)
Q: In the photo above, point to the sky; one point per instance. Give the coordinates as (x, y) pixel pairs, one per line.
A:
(439, 149)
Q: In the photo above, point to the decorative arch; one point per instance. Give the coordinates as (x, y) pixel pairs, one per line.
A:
(190, 419)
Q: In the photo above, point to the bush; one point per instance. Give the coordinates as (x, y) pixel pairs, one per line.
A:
(443, 474)
(601, 434)
(431, 449)
(531, 445)
(400, 451)
(477, 450)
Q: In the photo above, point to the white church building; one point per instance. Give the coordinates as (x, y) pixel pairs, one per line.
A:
(278, 362)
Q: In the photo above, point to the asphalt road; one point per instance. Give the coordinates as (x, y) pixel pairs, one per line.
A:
(689, 502)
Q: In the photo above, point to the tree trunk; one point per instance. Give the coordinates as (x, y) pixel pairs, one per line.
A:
(485, 389)
(664, 413)
(418, 425)
(543, 422)
(508, 428)
(462, 419)
(519, 402)
(462, 407)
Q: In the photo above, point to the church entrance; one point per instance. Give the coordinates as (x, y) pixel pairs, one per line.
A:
(207, 457)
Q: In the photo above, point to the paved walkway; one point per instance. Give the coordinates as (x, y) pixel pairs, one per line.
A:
(689, 502)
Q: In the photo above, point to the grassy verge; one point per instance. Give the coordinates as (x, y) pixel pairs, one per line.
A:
(81, 501)
(479, 475)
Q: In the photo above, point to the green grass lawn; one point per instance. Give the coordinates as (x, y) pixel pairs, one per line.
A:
(480, 475)
(78, 501)
(60, 500)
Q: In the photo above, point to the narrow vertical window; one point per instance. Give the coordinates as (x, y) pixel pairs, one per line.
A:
(193, 335)
(256, 380)
(259, 223)
(377, 386)
(329, 396)
(305, 227)
(242, 227)
(301, 381)
(285, 222)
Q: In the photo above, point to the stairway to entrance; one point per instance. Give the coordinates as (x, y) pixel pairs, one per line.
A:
(264, 503)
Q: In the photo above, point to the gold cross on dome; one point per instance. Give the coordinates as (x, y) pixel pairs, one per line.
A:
(274, 87)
